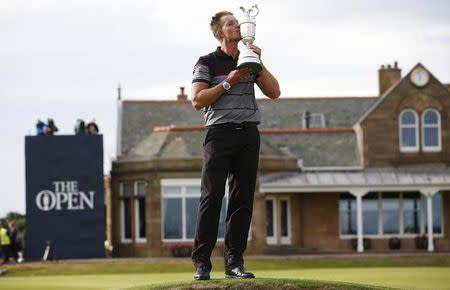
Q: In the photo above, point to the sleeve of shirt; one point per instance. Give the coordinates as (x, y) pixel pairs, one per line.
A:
(201, 72)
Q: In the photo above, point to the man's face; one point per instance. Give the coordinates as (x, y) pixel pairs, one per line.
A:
(230, 28)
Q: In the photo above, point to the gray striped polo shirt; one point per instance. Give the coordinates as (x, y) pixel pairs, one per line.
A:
(237, 105)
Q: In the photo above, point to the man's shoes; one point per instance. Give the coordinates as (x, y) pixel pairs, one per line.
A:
(201, 273)
(239, 273)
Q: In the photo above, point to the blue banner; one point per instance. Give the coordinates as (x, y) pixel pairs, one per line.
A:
(64, 197)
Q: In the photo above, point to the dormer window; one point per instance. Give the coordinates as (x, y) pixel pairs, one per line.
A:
(431, 131)
(313, 120)
(409, 131)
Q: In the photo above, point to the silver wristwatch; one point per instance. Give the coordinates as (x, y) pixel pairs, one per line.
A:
(226, 85)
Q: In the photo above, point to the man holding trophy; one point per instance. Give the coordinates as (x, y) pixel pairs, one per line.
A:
(223, 86)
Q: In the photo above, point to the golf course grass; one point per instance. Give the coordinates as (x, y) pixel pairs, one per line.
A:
(417, 272)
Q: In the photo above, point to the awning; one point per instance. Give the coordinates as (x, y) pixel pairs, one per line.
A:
(367, 179)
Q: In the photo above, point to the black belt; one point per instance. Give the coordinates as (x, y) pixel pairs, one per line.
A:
(235, 125)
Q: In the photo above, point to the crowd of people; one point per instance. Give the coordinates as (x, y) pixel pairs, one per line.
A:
(10, 246)
(80, 128)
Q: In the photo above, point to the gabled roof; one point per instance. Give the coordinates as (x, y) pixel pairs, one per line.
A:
(140, 117)
(392, 88)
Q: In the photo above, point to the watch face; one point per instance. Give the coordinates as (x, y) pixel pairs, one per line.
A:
(420, 77)
(226, 86)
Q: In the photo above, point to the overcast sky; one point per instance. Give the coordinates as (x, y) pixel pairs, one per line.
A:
(64, 59)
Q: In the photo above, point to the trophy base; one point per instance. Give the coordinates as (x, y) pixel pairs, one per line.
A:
(249, 59)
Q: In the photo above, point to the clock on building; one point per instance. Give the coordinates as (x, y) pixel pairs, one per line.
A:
(420, 77)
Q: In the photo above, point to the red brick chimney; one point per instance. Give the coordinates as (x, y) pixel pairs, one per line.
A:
(388, 76)
(182, 96)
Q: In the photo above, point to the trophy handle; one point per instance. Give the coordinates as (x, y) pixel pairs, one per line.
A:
(253, 9)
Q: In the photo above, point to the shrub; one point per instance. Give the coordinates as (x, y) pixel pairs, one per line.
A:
(421, 242)
(394, 243)
(181, 250)
(366, 243)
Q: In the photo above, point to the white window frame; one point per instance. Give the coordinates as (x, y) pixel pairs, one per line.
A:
(272, 240)
(321, 117)
(401, 233)
(122, 215)
(408, 149)
(423, 222)
(138, 239)
(276, 212)
(183, 183)
(437, 148)
(286, 240)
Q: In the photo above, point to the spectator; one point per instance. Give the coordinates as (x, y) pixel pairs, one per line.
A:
(51, 128)
(80, 127)
(5, 243)
(14, 246)
(40, 128)
(92, 128)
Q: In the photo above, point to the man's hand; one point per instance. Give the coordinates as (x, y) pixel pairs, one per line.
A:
(236, 75)
(255, 49)
(203, 95)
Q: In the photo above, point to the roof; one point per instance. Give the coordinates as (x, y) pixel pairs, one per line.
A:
(183, 144)
(392, 88)
(139, 118)
(315, 149)
(434, 177)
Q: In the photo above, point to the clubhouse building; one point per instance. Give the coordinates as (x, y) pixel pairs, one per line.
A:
(336, 174)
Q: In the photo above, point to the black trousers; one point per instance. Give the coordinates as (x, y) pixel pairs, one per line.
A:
(233, 153)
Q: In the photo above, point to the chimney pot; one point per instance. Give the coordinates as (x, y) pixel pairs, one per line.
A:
(182, 96)
(388, 76)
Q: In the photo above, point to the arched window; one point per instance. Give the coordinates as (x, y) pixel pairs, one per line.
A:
(431, 131)
(409, 131)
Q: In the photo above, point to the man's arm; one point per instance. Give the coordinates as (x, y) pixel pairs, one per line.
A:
(266, 81)
(203, 95)
(268, 84)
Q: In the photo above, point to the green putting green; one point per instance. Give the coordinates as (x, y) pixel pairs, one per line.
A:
(403, 278)
(420, 272)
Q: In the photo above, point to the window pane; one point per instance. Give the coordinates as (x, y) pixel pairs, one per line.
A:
(269, 218)
(141, 186)
(127, 189)
(127, 217)
(193, 190)
(284, 218)
(437, 214)
(409, 137)
(172, 218)
(391, 215)
(223, 215)
(411, 210)
(347, 216)
(431, 136)
(191, 216)
(171, 190)
(370, 216)
(430, 117)
(408, 118)
(141, 208)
